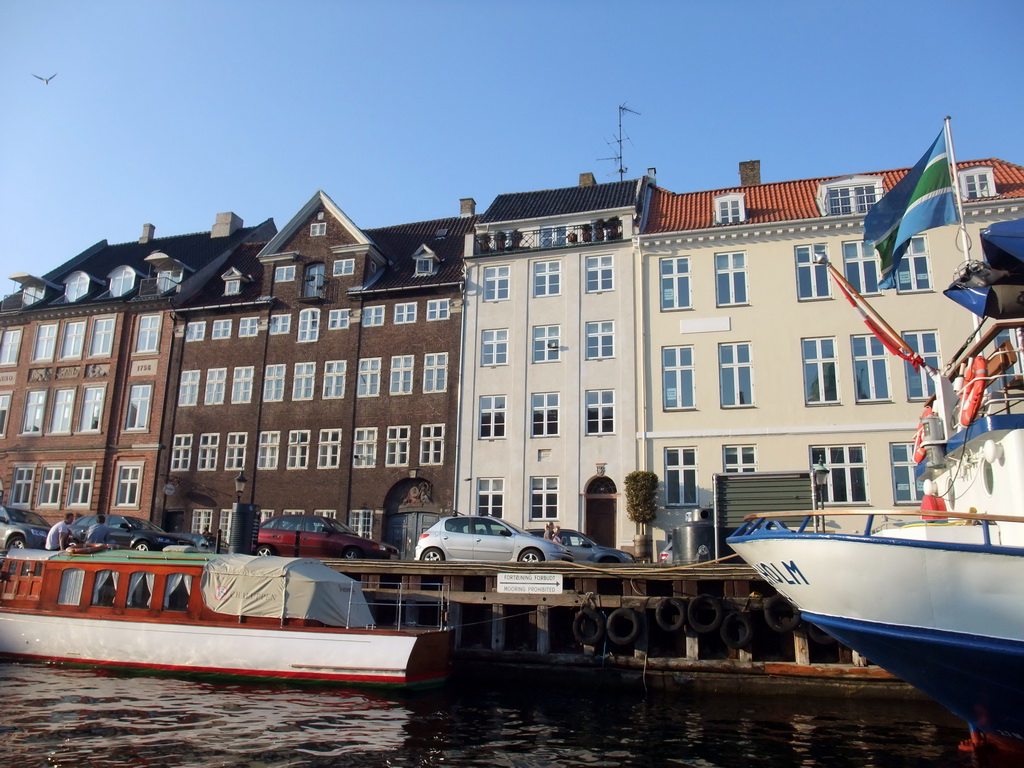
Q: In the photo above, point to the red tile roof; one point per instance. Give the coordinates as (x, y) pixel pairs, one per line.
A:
(790, 200)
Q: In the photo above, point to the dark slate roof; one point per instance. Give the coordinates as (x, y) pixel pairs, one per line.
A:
(245, 260)
(399, 243)
(517, 206)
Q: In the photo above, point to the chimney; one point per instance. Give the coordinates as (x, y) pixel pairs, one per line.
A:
(587, 180)
(148, 231)
(226, 224)
(750, 173)
(467, 206)
(652, 174)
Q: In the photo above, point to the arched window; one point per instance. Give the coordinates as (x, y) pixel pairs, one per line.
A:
(76, 286)
(122, 280)
(313, 284)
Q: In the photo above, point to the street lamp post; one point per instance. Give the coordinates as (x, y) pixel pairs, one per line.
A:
(820, 481)
(240, 481)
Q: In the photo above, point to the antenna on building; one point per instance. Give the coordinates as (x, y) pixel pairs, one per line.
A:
(616, 144)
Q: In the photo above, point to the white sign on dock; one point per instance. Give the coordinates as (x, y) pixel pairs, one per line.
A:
(530, 583)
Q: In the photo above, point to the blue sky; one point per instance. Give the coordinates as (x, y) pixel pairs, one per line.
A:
(169, 112)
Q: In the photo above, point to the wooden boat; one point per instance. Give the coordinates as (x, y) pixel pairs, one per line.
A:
(199, 613)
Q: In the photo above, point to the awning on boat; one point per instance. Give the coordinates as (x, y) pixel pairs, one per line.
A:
(243, 585)
(994, 288)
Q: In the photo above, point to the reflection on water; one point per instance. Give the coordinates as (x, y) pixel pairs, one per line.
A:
(60, 717)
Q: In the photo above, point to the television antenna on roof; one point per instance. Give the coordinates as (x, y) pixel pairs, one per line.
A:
(616, 143)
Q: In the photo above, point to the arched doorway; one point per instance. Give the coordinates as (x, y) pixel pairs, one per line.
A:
(599, 505)
(409, 509)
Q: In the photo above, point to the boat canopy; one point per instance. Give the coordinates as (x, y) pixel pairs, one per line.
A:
(994, 288)
(284, 587)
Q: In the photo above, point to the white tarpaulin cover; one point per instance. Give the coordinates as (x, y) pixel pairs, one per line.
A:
(244, 585)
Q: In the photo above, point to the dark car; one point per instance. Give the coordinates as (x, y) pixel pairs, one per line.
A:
(584, 549)
(130, 532)
(318, 536)
(21, 529)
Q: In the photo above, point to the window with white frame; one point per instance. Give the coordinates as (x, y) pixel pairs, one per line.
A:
(675, 283)
(425, 265)
(730, 279)
(216, 384)
(914, 273)
(188, 389)
(860, 265)
(547, 278)
(284, 273)
(35, 407)
(241, 384)
(735, 375)
(544, 407)
(304, 381)
(92, 409)
(847, 472)
(396, 453)
(148, 338)
(494, 347)
(496, 283)
(361, 521)
(269, 450)
(273, 383)
(5, 412)
(202, 520)
(543, 498)
(298, 449)
(102, 342)
(405, 313)
(432, 444)
(811, 273)
(181, 453)
(364, 449)
(235, 450)
(850, 198)
(490, 496)
(373, 316)
(492, 416)
(10, 346)
(547, 343)
(248, 327)
(139, 399)
(368, 381)
(600, 274)
(343, 267)
(435, 372)
(76, 286)
(926, 343)
(122, 280)
(80, 486)
(600, 405)
(73, 340)
(63, 408)
(129, 484)
(870, 369)
(309, 325)
(51, 482)
(402, 370)
(976, 183)
(552, 237)
(821, 385)
(21, 486)
(600, 340)
(739, 458)
(677, 378)
(232, 286)
(209, 448)
(338, 319)
(329, 449)
(680, 476)
(221, 329)
(906, 488)
(318, 229)
(280, 324)
(334, 379)
(730, 209)
(438, 309)
(195, 330)
(46, 342)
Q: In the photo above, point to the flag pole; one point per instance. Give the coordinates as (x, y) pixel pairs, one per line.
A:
(965, 243)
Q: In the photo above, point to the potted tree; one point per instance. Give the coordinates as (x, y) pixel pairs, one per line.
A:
(599, 229)
(485, 242)
(613, 227)
(499, 240)
(641, 508)
(588, 233)
(517, 239)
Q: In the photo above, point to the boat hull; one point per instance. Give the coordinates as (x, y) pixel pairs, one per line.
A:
(944, 617)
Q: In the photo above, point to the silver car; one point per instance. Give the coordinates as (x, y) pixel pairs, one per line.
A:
(586, 550)
(20, 529)
(468, 537)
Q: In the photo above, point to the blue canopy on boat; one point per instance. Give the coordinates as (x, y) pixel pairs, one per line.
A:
(995, 287)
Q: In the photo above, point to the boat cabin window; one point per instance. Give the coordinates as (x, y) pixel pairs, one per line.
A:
(71, 582)
(177, 591)
(104, 588)
(140, 589)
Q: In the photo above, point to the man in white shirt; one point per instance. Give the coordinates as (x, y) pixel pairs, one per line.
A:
(60, 534)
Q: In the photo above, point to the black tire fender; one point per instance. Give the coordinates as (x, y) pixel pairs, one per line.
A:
(705, 613)
(623, 626)
(737, 629)
(588, 626)
(819, 635)
(780, 614)
(670, 614)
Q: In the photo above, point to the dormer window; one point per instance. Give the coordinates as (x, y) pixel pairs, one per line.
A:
(76, 286)
(122, 280)
(169, 275)
(32, 294)
(233, 282)
(168, 279)
(976, 183)
(730, 209)
(426, 262)
(849, 196)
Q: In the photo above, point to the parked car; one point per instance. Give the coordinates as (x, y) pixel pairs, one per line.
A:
(586, 550)
(131, 532)
(468, 537)
(21, 529)
(318, 537)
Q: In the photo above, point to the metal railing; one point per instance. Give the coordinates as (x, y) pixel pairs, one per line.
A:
(504, 241)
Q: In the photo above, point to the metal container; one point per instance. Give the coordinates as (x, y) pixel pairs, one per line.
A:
(694, 540)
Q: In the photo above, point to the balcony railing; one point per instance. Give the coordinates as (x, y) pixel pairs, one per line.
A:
(505, 241)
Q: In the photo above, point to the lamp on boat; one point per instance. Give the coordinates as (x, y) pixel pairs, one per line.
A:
(240, 481)
(820, 481)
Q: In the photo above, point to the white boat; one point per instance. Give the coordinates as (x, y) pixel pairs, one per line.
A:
(936, 595)
(204, 614)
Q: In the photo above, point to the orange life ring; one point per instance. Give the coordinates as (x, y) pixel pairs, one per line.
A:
(86, 549)
(974, 388)
(919, 452)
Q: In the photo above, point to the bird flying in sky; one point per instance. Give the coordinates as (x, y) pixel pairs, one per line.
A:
(46, 80)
